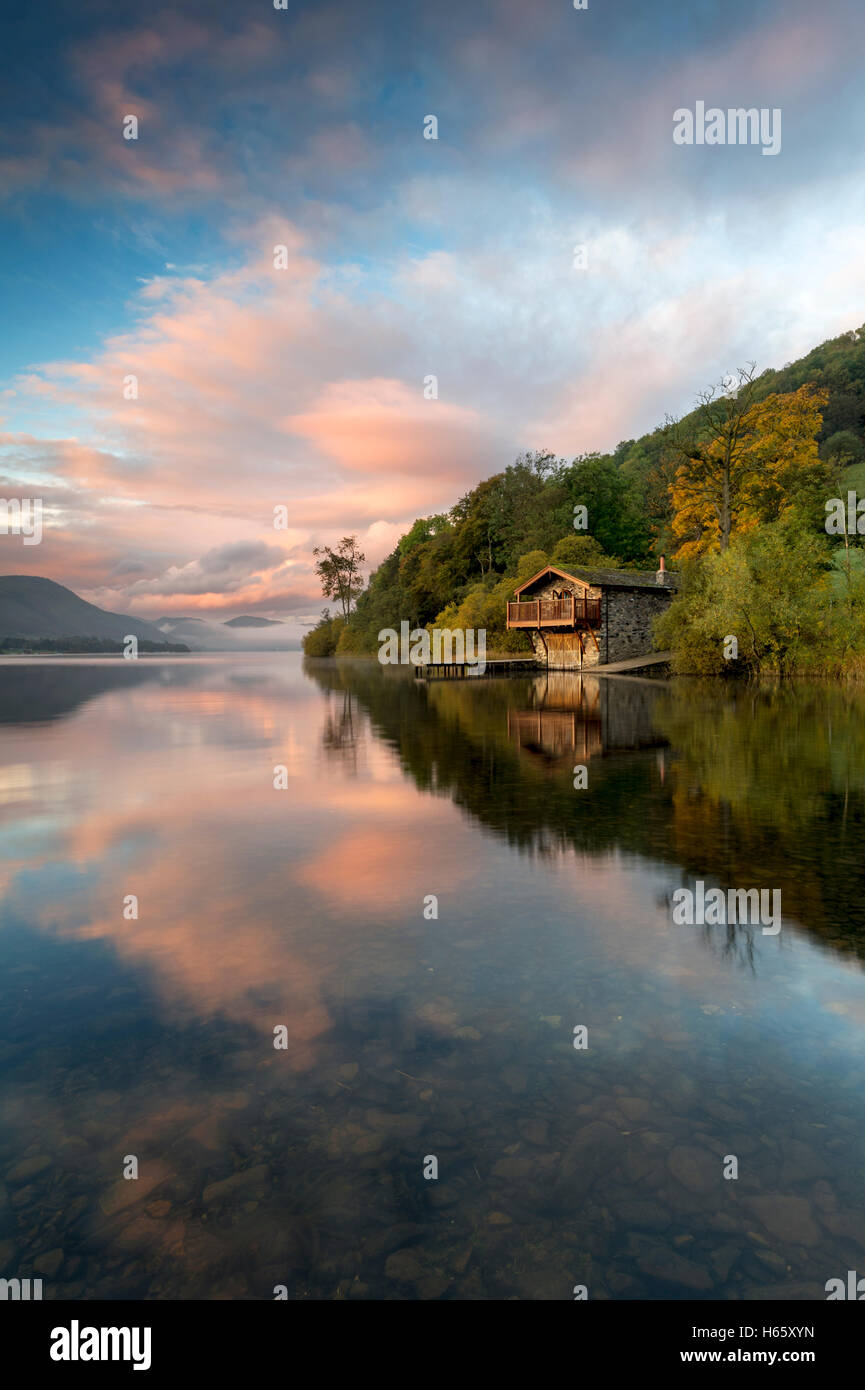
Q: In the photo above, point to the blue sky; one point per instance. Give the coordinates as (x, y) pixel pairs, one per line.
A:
(406, 257)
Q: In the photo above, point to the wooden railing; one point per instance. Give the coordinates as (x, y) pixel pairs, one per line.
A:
(555, 612)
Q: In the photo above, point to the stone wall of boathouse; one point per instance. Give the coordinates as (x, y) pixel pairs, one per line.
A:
(627, 617)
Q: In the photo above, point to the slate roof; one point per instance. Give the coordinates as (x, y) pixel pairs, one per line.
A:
(610, 579)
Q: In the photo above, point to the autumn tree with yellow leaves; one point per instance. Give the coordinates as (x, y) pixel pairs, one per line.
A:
(741, 461)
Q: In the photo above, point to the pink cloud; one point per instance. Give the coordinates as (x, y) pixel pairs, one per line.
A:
(385, 426)
(246, 401)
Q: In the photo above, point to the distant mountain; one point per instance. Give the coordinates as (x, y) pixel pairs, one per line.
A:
(34, 607)
(198, 633)
(236, 635)
(252, 622)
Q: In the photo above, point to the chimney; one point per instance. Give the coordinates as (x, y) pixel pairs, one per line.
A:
(662, 576)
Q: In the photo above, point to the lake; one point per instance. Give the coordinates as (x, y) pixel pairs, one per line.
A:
(503, 1070)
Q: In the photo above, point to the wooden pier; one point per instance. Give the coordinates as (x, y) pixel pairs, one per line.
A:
(468, 670)
(525, 665)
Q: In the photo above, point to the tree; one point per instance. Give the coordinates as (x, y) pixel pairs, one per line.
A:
(322, 640)
(613, 501)
(770, 591)
(740, 461)
(339, 571)
(582, 552)
(844, 448)
(483, 607)
(423, 529)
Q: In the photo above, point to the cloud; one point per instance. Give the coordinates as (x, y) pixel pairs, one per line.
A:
(387, 427)
(225, 569)
(260, 388)
(247, 400)
(406, 258)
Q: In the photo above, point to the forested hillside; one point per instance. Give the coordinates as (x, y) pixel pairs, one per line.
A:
(734, 494)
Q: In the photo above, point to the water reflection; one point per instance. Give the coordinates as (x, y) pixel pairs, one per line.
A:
(411, 1035)
(562, 722)
(571, 716)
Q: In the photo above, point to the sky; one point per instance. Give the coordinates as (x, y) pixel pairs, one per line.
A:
(168, 378)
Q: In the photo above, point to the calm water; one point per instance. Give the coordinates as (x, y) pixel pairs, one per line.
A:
(408, 1037)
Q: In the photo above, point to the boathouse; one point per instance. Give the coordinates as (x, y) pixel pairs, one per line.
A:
(585, 617)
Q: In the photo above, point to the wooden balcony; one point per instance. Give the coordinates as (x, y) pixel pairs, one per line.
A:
(570, 612)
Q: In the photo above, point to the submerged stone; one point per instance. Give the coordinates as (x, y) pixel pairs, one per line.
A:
(671, 1268)
(28, 1168)
(246, 1179)
(787, 1218)
(696, 1169)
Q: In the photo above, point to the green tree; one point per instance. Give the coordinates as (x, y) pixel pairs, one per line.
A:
(323, 639)
(843, 449)
(769, 590)
(582, 552)
(339, 571)
(614, 503)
